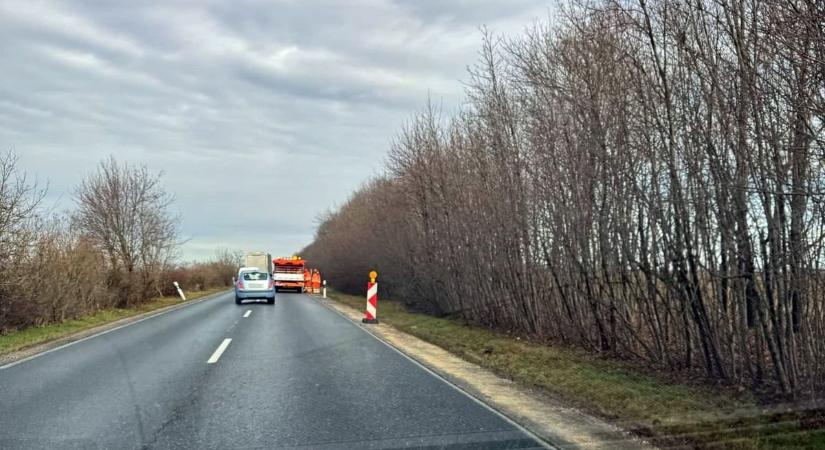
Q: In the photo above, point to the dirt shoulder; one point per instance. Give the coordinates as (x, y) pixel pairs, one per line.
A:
(581, 399)
(557, 423)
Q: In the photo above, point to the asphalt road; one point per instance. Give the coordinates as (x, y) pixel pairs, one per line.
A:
(294, 375)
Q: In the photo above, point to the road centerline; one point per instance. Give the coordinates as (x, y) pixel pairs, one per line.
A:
(219, 351)
(247, 313)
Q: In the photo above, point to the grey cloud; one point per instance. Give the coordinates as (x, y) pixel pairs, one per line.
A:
(291, 100)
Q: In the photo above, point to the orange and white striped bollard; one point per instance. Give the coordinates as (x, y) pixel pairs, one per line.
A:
(371, 315)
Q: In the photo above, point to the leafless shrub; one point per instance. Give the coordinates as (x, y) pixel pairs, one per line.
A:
(19, 200)
(642, 179)
(217, 272)
(64, 267)
(123, 210)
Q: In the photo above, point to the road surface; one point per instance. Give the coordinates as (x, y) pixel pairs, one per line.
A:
(217, 375)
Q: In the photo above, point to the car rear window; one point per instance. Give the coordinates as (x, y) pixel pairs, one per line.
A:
(255, 276)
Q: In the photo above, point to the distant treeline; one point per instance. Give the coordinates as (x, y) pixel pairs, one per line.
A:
(117, 248)
(641, 179)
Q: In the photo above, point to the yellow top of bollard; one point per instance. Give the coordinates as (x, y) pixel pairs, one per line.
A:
(373, 276)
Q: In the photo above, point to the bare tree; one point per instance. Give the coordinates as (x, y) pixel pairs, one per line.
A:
(124, 210)
(19, 200)
(118, 248)
(642, 178)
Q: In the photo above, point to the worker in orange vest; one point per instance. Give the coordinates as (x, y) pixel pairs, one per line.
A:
(307, 281)
(316, 282)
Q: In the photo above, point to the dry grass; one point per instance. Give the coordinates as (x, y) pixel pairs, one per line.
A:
(28, 337)
(670, 413)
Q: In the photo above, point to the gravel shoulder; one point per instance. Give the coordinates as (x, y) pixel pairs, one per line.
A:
(557, 423)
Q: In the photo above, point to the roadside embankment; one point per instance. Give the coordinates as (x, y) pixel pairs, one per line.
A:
(22, 343)
(556, 392)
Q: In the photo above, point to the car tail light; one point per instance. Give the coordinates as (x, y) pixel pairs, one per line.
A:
(271, 284)
(240, 284)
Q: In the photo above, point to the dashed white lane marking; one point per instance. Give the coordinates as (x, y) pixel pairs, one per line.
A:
(219, 351)
(248, 312)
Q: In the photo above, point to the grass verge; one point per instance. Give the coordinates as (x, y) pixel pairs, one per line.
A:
(666, 412)
(28, 337)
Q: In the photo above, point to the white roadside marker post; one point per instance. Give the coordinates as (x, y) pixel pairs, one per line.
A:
(180, 291)
(325, 289)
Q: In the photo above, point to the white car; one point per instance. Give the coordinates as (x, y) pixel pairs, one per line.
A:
(254, 284)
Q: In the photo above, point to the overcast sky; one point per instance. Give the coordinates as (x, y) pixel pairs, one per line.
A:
(261, 114)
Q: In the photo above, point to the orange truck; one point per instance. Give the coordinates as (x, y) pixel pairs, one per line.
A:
(288, 273)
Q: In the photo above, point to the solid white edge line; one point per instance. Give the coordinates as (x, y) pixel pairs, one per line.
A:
(219, 351)
(68, 344)
(541, 441)
(247, 313)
